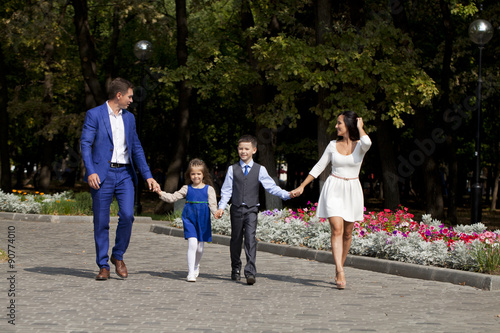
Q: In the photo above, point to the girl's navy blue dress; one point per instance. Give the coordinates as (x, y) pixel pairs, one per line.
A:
(196, 215)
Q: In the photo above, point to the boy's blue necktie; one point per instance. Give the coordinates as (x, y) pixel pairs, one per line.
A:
(246, 169)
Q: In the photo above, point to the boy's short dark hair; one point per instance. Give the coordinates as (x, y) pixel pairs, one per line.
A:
(248, 138)
(118, 85)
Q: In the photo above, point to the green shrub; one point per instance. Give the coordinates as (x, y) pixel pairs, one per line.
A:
(84, 202)
(80, 204)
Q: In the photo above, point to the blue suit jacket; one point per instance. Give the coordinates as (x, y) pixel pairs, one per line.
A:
(97, 143)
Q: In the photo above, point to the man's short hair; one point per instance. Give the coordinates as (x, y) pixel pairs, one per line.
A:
(119, 85)
(248, 138)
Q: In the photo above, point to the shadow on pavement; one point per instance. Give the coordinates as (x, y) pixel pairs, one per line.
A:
(86, 273)
(291, 279)
(181, 275)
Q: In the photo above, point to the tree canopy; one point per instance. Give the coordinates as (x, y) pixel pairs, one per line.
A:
(281, 70)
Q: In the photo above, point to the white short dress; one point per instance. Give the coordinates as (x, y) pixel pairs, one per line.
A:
(342, 194)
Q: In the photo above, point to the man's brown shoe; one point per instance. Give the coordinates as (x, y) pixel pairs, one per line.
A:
(121, 269)
(103, 274)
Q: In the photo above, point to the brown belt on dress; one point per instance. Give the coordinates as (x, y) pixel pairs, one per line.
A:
(343, 177)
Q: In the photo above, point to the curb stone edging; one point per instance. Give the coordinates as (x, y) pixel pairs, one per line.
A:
(464, 278)
(63, 218)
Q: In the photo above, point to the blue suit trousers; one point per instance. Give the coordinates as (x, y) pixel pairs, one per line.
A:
(119, 183)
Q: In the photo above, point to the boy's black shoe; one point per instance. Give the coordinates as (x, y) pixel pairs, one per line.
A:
(250, 279)
(235, 276)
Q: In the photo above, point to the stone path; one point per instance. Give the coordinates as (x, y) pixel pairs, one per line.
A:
(55, 291)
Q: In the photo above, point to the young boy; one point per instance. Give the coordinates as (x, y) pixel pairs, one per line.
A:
(242, 186)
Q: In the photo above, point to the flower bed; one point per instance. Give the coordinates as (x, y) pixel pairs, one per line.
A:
(64, 203)
(396, 236)
(386, 234)
(27, 203)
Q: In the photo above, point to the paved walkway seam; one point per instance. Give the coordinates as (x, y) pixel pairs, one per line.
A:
(432, 273)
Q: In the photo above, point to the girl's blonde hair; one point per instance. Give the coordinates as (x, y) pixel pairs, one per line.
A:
(196, 163)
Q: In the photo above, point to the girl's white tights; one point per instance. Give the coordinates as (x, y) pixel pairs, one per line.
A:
(194, 253)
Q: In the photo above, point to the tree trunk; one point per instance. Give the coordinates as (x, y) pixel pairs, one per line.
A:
(444, 103)
(496, 177)
(109, 65)
(494, 196)
(118, 22)
(390, 175)
(266, 137)
(182, 121)
(5, 176)
(323, 19)
(48, 95)
(433, 189)
(424, 155)
(432, 178)
(452, 181)
(88, 58)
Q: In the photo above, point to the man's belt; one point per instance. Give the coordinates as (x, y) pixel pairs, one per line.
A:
(117, 165)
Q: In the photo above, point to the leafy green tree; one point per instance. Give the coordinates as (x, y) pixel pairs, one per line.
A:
(36, 81)
(371, 69)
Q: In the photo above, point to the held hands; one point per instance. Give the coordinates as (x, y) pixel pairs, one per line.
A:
(153, 185)
(297, 192)
(218, 214)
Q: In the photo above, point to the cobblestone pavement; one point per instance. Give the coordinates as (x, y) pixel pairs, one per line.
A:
(55, 291)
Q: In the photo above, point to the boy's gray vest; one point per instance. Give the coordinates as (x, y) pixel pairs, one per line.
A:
(245, 188)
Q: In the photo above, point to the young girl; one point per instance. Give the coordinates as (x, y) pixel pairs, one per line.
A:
(200, 201)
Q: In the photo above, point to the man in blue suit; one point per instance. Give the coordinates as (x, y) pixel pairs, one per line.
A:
(110, 147)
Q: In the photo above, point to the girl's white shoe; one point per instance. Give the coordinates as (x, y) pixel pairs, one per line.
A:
(191, 278)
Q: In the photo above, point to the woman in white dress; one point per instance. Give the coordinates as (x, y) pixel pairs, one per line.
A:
(341, 200)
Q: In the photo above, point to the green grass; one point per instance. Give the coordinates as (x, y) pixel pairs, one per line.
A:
(3, 256)
(80, 204)
(488, 258)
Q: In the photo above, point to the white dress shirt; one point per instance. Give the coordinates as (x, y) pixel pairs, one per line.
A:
(120, 150)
